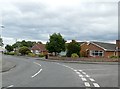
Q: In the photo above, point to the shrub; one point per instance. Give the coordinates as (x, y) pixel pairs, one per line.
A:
(6, 53)
(41, 55)
(31, 54)
(24, 50)
(27, 52)
(114, 57)
(74, 55)
(11, 53)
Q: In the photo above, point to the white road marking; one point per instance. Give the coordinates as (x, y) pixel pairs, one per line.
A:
(72, 68)
(78, 72)
(96, 85)
(36, 73)
(37, 63)
(87, 76)
(84, 79)
(87, 84)
(91, 79)
(10, 86)
(75, 70)
(58, 63)
(83, 72)
(81, 75)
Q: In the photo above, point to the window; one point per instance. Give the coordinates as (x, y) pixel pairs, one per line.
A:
(96, 53)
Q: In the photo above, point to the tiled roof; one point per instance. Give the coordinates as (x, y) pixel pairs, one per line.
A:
(107, 46)
(39, 46)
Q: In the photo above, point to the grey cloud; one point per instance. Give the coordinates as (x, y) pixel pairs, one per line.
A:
(89, 21)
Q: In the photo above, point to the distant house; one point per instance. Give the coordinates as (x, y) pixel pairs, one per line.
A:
(39, 49)
(100, 49)
(2, 50)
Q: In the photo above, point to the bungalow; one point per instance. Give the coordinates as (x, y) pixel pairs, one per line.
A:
(39, 48)
(2, 50)
(100, 49)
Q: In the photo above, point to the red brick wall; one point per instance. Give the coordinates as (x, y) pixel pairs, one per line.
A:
(91, 46)
(109, 54)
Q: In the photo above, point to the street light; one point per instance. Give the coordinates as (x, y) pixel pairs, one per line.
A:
(2, 27)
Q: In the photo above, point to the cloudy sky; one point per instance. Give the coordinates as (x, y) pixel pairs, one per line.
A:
(83, 20)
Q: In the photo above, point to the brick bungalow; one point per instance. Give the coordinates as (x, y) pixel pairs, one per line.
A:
(39, 48)
(100, 49)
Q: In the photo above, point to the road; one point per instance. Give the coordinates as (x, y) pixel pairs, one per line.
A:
(30, 72)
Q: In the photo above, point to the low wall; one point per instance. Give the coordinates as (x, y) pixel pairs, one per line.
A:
(86, 59)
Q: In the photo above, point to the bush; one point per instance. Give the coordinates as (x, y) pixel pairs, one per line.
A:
(114, 57)
(41, 55)
(10, 53)
(6, 53)
(74, 55)
(24, 50)
(31, 54)
(27, 52)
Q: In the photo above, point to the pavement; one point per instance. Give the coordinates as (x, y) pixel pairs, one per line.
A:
(32, 72)
(6, 65)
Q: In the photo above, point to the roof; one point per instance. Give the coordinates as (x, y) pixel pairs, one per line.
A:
(81, 43)
(106, 46)
(39, 46)
(2, 49)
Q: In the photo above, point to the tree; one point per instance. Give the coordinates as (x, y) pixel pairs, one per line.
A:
(1, 42)
(24, 50)
(56, 43)
(73, 47)
(28, 44)
(9, 48)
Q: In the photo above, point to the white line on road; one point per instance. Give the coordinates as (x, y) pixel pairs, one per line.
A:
(36, 73)
(96, 85)
(87, 84)
(75, 70)
(10, 86)
(81, 75)
(84, 79)
(87, 76)
(78, 72)
(91, 79)
(37, 63)
(83, 72)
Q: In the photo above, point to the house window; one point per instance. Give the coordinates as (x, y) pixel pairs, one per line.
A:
(96, 53)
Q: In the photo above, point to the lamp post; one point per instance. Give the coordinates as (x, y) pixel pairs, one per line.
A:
(2, 27)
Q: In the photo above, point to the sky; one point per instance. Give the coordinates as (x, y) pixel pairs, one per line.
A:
(36, 20)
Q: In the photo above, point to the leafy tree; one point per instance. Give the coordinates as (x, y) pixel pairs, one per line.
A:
(24, 50)
(56, 43)
(1, 42)
(28, 44)
(9, 48)
(73, 47)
